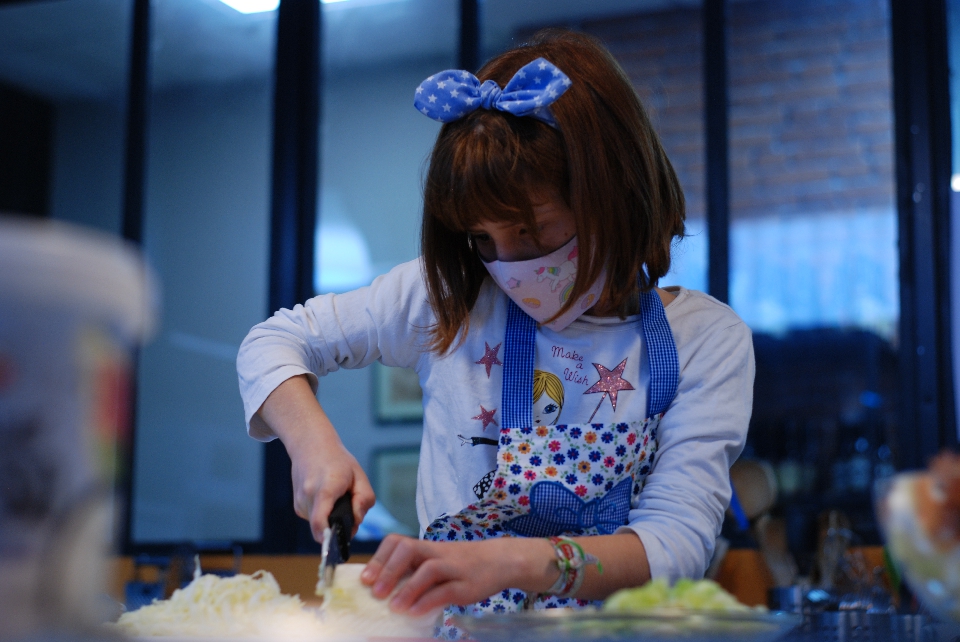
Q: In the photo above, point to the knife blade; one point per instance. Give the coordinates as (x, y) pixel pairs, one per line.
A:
(335, 547)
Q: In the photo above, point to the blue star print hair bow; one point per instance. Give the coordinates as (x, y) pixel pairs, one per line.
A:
(452, 94)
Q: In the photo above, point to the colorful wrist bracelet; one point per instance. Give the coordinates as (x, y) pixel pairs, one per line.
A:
(572, 561)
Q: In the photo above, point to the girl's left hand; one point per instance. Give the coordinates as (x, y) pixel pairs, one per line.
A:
(433, 575)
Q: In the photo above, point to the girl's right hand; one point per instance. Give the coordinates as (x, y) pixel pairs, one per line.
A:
(321, 474)
(322, 469)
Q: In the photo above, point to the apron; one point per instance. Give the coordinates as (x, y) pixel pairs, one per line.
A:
(563, 480)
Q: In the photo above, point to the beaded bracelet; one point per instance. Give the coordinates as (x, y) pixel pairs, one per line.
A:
(572, 561)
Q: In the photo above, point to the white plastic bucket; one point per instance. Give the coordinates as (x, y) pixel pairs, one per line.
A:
(73, 306)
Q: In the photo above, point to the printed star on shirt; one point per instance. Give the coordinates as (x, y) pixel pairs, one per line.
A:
(513, 283)
(486, 416)
(542, 66)
(441, 84)
(611, 382)
(489, 358)
(433, 98)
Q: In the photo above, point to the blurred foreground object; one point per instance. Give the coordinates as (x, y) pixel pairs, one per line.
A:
(919, 513)
(73, 306)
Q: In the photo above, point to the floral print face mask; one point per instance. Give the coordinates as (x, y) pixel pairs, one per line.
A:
(541, 286)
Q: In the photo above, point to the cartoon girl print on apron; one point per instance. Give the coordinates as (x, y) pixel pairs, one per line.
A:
(565, 479)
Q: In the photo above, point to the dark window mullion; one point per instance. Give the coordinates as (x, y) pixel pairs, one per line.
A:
(469, 45)
(134, 179)
(921, 104)
(293, 214)
(716, 147)
(136, 144)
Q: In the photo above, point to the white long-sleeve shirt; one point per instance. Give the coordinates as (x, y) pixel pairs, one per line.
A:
(703, 431)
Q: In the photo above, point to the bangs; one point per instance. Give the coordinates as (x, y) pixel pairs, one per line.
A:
(490, 165)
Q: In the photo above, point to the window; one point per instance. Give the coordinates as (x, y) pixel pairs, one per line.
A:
(374, 145)
(197, 476)
(814, 260)
(63, 90)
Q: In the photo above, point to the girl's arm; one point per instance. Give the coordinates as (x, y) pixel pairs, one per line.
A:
(442, 573)
(322, 468)
(281, 360)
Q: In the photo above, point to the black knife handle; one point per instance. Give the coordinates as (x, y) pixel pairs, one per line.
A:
(342, 516)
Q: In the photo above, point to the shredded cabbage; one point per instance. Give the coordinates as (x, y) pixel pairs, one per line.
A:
(212, 606)
(684, 595)
(350, 607)
(252, 606)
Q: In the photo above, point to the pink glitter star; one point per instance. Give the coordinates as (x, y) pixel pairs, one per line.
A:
(490, 357)
(611, 382)
(513, 283)
(486, 416)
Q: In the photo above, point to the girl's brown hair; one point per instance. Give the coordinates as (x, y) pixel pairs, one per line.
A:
(604, 159)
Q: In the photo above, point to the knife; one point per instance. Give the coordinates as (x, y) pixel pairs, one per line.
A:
(336, 541)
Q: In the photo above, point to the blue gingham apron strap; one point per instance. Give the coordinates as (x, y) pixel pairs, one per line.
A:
(662, 351)
(516, 405)
(518, 363)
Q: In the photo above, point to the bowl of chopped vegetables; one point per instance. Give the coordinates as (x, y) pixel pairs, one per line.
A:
(655, 612)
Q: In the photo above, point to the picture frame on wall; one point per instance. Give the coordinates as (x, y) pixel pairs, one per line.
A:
(397, 397)
(394, 480)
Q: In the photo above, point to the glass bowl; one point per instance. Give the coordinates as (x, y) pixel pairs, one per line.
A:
(569, 625)
(932, 572)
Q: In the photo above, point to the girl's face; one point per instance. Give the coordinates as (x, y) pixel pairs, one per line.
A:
(545, 411)
(502, 241)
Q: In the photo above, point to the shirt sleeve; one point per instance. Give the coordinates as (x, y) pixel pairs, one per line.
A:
(389, 320)
(704, 430)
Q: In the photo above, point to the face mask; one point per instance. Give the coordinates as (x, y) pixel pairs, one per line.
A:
(541, 286)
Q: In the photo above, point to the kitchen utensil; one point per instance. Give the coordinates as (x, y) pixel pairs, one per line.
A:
(755, 485)
(336, 541)
(843, 626)
(787, 598)
(567, 625)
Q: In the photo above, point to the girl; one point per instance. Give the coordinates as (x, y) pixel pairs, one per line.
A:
(549, 212)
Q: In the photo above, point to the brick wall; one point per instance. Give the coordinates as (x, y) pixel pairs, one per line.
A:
(662, 53)
(811, 122)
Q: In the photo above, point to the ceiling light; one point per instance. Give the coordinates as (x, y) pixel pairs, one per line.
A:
(252, 6)
(259, 6)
